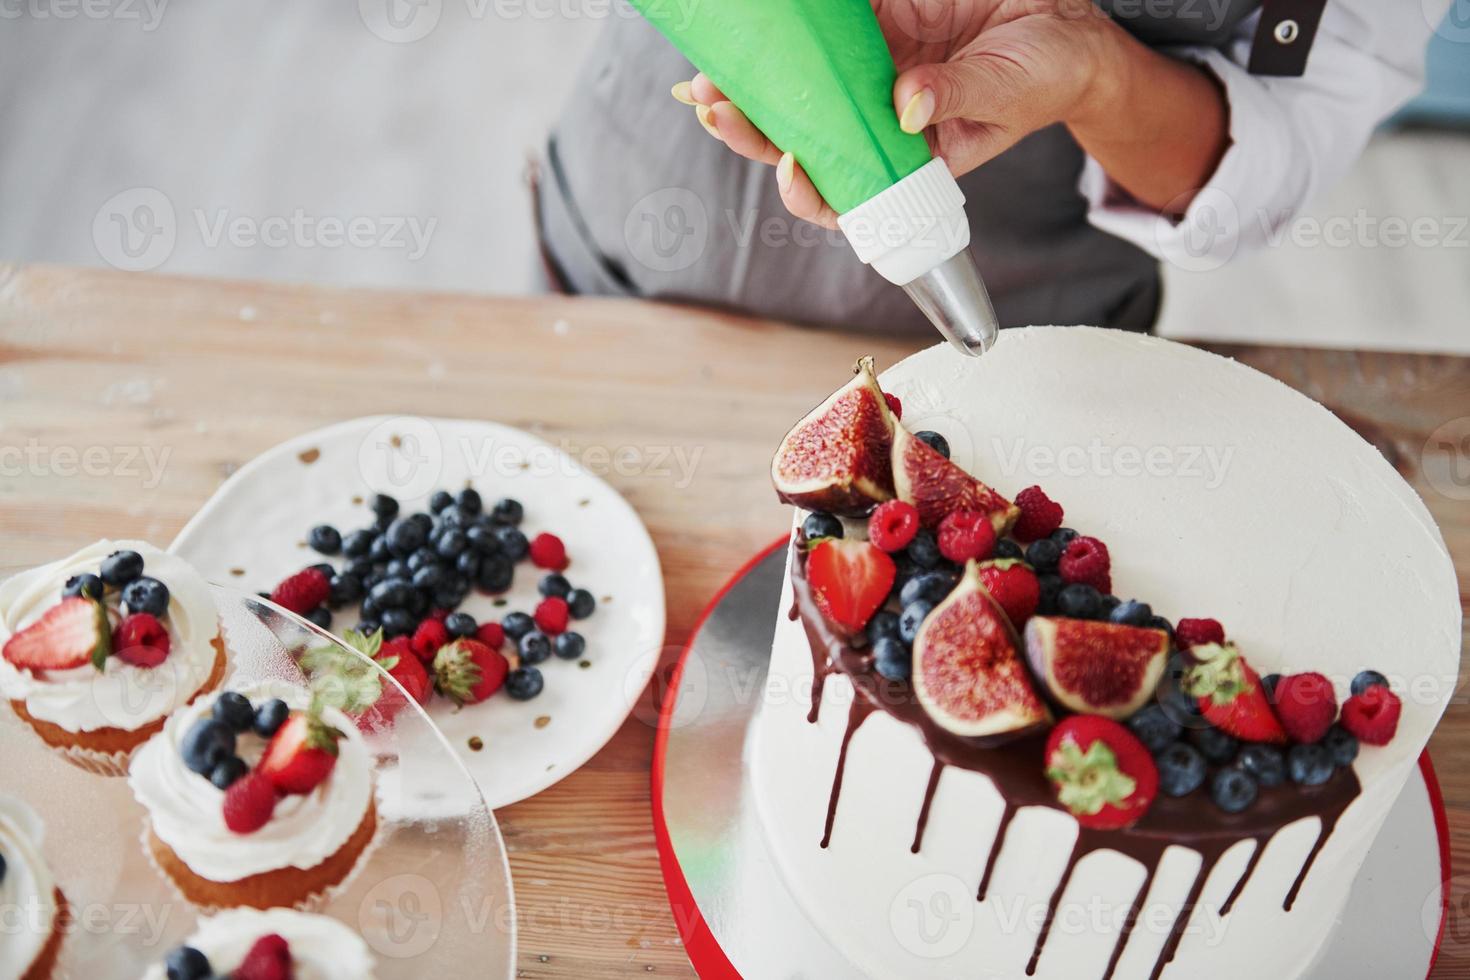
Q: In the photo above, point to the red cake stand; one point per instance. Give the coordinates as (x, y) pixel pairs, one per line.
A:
(738, 919)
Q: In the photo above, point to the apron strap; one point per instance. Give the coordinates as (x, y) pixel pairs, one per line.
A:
(1284, 37)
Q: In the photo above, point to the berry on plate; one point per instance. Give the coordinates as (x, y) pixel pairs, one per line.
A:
(893, 525)
(1198, 632)
(468, 671)
(302, 592)
(547, 551)
(1373, 716)
(1013, 585)
(965, 535)
(581, 603)
(140, 640)
(249, 803)
(850, 580)
(491, 634)
(302, 753)
(551, 615)
(1102, 774)
(73, 633)
(1086, 561)
(401, 661)
(524, 683)
(1306, 705)
(1040, 515)
(1230, 695)
(428, 638)
(268, 959)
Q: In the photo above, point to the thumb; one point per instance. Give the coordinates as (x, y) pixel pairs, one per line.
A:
(967, 88)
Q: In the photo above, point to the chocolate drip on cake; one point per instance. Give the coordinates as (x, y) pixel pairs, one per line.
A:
(1016, 770)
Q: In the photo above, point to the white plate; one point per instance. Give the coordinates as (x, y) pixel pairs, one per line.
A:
(251, 535)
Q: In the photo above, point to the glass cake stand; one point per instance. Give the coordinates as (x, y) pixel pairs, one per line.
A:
(433, 891)
(737, 917)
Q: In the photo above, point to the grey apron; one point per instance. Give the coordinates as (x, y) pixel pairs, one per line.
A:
(636, 199)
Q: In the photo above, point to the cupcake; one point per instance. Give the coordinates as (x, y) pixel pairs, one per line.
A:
(247, 943)
(256, 800)
(101, 647)
(34, 910)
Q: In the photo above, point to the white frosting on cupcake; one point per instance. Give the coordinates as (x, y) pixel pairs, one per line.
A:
(27, 892)
(187, 809)
(321, 948)
(121, 695)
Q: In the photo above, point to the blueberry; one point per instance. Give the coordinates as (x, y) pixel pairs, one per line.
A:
(187, 963)
(324, 567)
(227, 772)
(513, 543)
(934, 441)
(1233, 790)
(1154, 728)
(450, 596)
(1063, 536)
(440, 500)
(1181, 769)
(1268, 684)
(469, 501)
(554, 584)
(121, 567)
(378, 551)
(535, 647)
(1008, 550)
(146, 595)
(820, 525)
(86, 584)
(367, 627)
(357, 543)
(391, 593)
(423, 558)
(384, 506)
(892, 659)
(1265, 763)
(931, 587)
(325, 538)
(361, 567)
(452, 543)
(423, 521)
(235, 710)
(371, 609)
(398, 622)
(570, 645)
(320, 617)
(270, 716)
(524, 683)
(911, 619)
(346, 589)
(1043, 555)
(883, 623)
(430, 579)
(1160, 623)
(923, 551)
(1050, 585)
(581, 603)
(1214, 745)
(1079, 601)
(2, 869)
(496, 574)
(508, 511)
(1309, 765)
(1131, 613)
(461, 625)
(206, 745)
(404, 538)
(1361, 683)
(517, 625)
(482, 540)
(1341, 745)
(469, 564)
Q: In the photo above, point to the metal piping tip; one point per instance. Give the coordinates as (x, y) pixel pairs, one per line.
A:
(954, 299)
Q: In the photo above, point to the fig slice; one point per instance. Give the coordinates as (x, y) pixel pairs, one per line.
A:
(937, 487)
(968, 671)
(837, 459)
(1097, 668)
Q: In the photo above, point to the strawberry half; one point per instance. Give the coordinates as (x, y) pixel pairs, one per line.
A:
(301, 754)
(1102, 774)
(1231, 696)
(71, 634)
(850, 580)
(1013, 585)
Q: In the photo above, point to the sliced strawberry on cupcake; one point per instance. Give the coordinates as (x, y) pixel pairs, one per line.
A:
(301, 754)
(1231, 696)
(850, 580)
(1102, 774)
(71, 634)
(1013, 585)
(468, 671)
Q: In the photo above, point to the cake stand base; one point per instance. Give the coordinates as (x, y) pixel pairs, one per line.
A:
(737, 917)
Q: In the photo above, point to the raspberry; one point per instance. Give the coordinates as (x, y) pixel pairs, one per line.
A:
(492, 635)
(1373, 716)
(268, 959)
(551, 615)
(966, 534)
(547, 551)
(1307, 706)
(303, 592)
(1040, 515)
(1013, 585)
(893, 525)
(1198, 632)
(894, 405)
(140, 640)
(1086, 560)
(249, 803)
(428, 638)
(438, 615)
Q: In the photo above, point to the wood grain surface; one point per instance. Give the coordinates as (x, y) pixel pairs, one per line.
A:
(126, 400)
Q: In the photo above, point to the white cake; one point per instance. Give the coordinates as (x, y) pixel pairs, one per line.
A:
(1220, 493)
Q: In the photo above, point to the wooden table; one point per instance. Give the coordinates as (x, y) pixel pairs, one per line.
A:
(98, 367)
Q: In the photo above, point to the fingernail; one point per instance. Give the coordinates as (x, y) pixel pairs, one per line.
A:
(683, 93)
(707, 119)
(785, 171)
(917, 113)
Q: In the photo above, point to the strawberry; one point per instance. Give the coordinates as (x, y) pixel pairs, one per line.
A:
(894, 404)
(491, 634)
(301, 753)
(547, 551)
(141, 640)
(268, 959)
(1197, 632)
(1102, 774)
(1087, 561)
(303, 592)
(1231, 696)
(965, 535)
(850, 580)
(71, 634)
(1040, 515)
(1013, 585)
(428, 638)
(468, 671)
(249, 803)
(1373, 716)
(401, 661)
(893, 525)
(551, 615)
(1306, 705)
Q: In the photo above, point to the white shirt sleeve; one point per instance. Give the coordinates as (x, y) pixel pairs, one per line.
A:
(1290, 137)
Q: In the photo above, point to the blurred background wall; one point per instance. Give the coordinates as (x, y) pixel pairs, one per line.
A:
(407, 124)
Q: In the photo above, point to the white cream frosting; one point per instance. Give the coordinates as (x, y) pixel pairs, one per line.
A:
(120, 695)
(321, 948)
(27, 893)
(187, 809)
(1220, 492)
